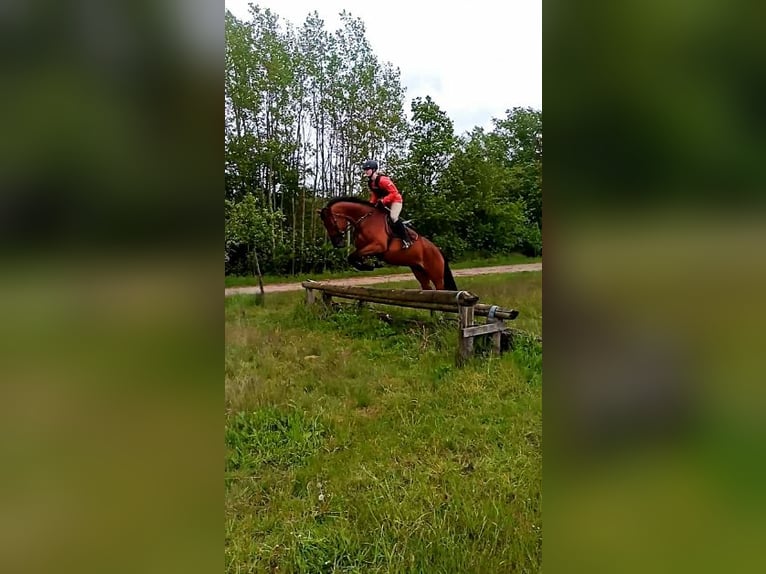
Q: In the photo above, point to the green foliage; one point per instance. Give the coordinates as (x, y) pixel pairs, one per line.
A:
(531, 242)
(519, 138)
(250, 226)
(432, 143)
(481, 202)
(521, 134)
(248, 223)
(528, 354)
(270, 437)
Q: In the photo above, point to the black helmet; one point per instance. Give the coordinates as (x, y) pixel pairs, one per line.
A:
(370, 164)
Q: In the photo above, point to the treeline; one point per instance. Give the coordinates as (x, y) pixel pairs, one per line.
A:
(305, 106)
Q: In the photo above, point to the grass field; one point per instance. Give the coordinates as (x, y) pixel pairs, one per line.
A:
(356, 445)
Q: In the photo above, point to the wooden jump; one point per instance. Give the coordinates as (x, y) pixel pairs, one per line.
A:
(464, 303)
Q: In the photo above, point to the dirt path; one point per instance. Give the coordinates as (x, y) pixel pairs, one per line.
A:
(372, 279)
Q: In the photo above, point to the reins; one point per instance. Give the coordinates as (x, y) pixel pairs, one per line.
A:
(354, 223)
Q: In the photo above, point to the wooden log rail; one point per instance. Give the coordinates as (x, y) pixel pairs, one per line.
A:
(464, 303)
(451, 298)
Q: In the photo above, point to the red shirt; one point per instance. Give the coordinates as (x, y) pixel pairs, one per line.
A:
(384, 191)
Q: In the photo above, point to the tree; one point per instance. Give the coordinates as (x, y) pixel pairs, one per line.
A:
(432, 143)
(519, 146)
(431, 146)
(250, 225)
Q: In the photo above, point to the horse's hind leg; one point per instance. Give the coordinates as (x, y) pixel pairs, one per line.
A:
(435, 267)
(422, 277)
(437, 277)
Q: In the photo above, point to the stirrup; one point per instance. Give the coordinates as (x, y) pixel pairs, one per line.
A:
(406, 243)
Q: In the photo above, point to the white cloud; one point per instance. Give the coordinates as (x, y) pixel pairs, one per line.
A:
(474, 62)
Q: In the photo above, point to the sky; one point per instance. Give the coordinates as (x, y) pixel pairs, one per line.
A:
(475, 62)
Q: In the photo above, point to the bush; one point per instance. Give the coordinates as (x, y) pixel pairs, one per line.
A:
(531, 243)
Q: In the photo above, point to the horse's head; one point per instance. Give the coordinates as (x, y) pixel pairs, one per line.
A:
(335, 226)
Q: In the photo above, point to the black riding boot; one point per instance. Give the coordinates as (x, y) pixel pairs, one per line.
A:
(401, 233)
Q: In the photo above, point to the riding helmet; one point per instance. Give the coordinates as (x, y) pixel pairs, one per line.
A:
(370, 164)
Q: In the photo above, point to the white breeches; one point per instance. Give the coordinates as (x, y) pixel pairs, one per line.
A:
(395, 209)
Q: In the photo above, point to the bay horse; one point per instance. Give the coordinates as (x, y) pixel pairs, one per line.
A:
(372, 237)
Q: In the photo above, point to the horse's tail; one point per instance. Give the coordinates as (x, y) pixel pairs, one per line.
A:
(449, 280)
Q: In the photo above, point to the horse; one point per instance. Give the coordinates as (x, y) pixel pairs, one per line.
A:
(372, 237)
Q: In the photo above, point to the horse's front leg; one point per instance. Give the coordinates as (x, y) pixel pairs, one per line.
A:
(357, 262)
(365, 250)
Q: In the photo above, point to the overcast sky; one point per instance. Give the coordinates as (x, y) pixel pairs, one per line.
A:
(475, 62)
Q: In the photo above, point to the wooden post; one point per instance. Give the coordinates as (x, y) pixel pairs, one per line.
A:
(465, 342)
(498, 323)
(497, 335)
(310, 296)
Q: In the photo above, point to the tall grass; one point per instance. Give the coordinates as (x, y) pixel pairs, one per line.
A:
(355, 444)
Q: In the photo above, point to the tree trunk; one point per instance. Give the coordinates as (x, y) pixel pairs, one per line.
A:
(258, 271)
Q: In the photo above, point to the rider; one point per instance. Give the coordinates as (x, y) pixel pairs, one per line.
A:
(384, 192)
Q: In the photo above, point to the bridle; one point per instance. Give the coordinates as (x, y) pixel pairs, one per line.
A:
(350, 220)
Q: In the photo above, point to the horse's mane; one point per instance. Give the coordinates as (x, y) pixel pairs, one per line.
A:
(349, 199)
